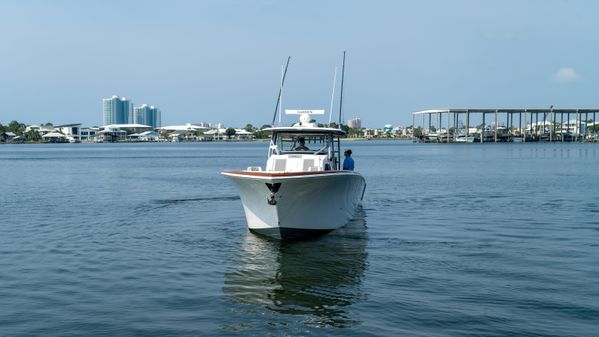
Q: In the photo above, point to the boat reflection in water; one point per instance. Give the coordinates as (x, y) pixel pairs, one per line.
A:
(311, 282)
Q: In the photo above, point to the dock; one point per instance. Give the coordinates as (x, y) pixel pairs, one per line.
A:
(504, 125)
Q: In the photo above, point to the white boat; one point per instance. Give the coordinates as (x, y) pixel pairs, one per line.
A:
(432, 137)
(462, 138)
(302, 191)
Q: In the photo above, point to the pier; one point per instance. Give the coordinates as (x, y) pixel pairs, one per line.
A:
(504, 125)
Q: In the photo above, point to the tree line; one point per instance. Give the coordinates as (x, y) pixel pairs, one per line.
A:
(14, 127)
(20, 130)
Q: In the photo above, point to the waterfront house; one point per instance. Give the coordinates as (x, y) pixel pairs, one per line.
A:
(242, 134)
(189, 128)
(111, 136)
(89, 134)
(147, 136)
(71, 131)
(41, 129)
(6, 136)
(55, 137)
(215, 134)
(119, 132)
(189, 132)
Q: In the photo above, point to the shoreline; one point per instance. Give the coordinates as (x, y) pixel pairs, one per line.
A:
(202, 141)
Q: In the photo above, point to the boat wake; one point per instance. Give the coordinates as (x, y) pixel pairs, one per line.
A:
(202, 199)
(163, 203)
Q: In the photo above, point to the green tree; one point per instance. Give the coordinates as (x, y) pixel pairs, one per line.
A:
(354, 132)
(164, 135)
(249, 127)
(2, 128)
(418, 132)
(33, 136)
(260, 134)
(16, 127)
(230, 132)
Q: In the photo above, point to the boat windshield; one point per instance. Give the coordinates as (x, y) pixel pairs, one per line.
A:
(303, 143)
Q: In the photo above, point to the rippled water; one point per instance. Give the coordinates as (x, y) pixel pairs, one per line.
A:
(149, 240)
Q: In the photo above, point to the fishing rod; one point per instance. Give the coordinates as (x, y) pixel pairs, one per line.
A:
(274, 118)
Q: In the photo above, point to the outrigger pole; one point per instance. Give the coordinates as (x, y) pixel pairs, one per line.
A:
(332, 97)
(274, 118)
(341, 96)
(340, 107)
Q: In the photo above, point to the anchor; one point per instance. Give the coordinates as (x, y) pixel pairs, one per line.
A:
(274, 188)
(271, 200)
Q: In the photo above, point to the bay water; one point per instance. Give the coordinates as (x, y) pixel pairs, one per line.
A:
(150, 240)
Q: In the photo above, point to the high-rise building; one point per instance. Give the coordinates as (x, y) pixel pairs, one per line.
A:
(139, 114)
(355, 123)
(154, 117)
(147, 115)
(117, 110)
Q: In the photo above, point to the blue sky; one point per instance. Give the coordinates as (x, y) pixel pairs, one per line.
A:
(220, 61)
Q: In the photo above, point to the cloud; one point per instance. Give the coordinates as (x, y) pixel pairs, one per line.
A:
(566, 75)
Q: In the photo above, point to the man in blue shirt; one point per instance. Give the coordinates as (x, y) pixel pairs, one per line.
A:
(348, 162)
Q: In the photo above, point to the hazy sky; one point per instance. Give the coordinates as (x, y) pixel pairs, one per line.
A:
(220, 61)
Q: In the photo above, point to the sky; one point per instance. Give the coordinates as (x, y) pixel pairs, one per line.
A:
(220, 61)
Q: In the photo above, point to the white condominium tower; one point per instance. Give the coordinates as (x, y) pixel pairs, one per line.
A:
(147, 115)
(355, 123)
(117, 110)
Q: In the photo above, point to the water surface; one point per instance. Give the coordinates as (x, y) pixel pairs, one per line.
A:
(149, 239)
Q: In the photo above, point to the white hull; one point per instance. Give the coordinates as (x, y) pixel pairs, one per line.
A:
(464, 139)
(302, 205)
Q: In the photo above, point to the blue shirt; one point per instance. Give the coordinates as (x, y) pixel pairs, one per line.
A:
(348, 164)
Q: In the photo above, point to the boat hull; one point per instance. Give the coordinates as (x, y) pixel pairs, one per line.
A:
(298, 205)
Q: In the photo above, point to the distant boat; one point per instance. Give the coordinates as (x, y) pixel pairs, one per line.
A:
(431, 137)
(518, 139)
(462, 138)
